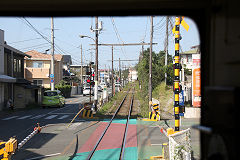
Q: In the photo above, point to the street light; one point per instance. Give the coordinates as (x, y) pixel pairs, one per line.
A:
(84, 36)
(96, 68)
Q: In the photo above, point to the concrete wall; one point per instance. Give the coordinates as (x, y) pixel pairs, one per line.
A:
(192, 112)
(23, 96)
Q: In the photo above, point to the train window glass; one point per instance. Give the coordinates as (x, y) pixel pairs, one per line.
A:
(123, 46)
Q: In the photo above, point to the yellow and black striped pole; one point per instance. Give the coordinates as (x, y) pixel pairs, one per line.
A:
(176, 75)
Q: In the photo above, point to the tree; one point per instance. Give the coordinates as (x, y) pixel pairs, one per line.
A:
(158, 70)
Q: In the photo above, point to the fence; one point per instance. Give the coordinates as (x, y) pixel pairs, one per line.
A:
(179, 145)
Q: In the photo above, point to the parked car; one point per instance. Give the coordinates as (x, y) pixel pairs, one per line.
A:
(86, 91)
(100, 89)
(103, 84)
(53, 98)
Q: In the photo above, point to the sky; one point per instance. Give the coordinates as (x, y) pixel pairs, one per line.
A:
(20, 35)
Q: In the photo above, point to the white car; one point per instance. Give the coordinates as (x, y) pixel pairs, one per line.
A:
(86, 91)
(103, 84)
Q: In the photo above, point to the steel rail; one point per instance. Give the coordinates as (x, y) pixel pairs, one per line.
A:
(121, 157)
(99, 140)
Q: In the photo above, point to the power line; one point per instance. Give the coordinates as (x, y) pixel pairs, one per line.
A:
(24, 40)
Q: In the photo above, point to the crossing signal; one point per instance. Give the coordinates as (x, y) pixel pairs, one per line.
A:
(88, 81)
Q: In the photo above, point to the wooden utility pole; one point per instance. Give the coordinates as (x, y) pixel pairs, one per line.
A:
(96, 62)
(81, 67)
(120, 72)
(52, 76)
(112, 74)
(150, 65)
(166, 48)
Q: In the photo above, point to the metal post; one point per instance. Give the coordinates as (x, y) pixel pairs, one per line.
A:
(150, 66)
(176, 75)
(52, 59)
(112, 72)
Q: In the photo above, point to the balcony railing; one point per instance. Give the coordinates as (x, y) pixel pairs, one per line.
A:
(37, 72)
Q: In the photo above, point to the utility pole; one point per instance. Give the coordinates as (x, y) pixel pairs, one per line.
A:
(120, 71)
(81, 67)
(125, 44)
(166, 48)
(112, 74)
(96, 63)
(52, 59)
(150, 66)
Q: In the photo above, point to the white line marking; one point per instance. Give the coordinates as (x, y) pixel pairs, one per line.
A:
(51, 117)
(64, 116)
(74, 125)
(64, 113)
(38, 116)
(40, 157)
(58, 109)
(9, 118)
(156, 144)
(24, 117)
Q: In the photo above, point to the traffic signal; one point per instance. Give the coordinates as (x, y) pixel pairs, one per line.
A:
(88, 80)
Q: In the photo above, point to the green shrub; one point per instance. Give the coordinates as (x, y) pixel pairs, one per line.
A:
(64, 88)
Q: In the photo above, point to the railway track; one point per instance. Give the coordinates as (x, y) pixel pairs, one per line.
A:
(125, 108)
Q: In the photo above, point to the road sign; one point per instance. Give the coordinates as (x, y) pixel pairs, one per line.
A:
(181, 98)
(52, 80)
(51, 75)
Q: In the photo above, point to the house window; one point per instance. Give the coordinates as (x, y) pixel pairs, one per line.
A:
(38, 64)
(38, 82)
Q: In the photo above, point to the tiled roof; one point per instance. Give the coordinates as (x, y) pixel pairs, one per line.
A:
(38, 55)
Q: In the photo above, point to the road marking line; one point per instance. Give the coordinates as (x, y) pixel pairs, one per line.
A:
(51, 117)
(9, 118)
(156, 144)
(74, 126)
(64, 113)
(64, 116)
(24, 117)
(52, 112)
(40, 157)
(38, 116)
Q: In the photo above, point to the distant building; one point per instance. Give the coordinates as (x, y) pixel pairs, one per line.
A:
(104, 75)
(37, 68)
(187, 57)
(76, 72)
(13, 86)
(190, 60)
(133, 75)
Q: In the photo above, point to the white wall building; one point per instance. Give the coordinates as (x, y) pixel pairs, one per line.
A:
(132, 75)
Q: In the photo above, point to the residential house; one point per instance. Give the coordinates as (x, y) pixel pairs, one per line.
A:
(13, 86)
(189, 60)
(37, 68)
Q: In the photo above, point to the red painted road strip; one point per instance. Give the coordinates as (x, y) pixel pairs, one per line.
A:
(113, 137)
